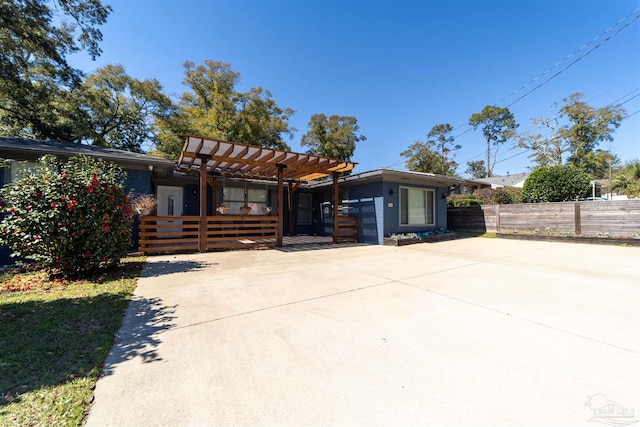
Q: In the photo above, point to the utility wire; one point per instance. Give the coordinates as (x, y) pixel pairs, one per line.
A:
(635, 18)
(575, 61)
(548, 70)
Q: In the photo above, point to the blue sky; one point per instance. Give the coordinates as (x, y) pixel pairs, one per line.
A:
(399, 67)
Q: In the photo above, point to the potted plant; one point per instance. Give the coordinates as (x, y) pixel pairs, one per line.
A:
(143, 204)
(223, 209)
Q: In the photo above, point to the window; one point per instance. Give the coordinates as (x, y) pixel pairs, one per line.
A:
(304, 209)
(170, 205)
(20, 169)
(416, 206)
(256, 199)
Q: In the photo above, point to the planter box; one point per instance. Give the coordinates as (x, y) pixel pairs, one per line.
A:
(428, 239)
(571, 239)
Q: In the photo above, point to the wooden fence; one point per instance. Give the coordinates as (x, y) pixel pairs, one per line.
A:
(181, 234)
(612, 218)
(347, 229)
(168, 234)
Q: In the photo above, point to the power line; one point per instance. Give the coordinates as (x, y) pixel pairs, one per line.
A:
(569, 56)
(635, 96)
(555, 75)
(576, 60)
(567, 67)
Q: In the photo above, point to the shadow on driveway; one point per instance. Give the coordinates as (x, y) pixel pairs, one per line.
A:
(159, 268)
(138, 337)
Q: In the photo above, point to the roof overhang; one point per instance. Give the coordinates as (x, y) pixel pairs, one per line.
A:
(249, 161)
(32, 149)
(409, 177)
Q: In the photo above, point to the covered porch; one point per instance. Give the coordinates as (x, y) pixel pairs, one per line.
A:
(213, 161)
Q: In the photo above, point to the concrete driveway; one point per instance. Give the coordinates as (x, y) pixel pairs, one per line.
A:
(471, 332)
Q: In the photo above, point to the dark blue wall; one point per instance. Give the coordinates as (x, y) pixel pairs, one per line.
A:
(191, 200)
(366, 203)
(138, 181)
(392, 214)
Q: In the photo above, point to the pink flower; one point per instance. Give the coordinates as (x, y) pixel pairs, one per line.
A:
(105, 228)
(53, 205)
(87, 254)
(94, 181)
(89, 189)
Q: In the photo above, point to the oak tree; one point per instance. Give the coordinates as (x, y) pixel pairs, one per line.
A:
(214, 108)
(36, 37)
(334, 136)
(121, 108)
(587, 127)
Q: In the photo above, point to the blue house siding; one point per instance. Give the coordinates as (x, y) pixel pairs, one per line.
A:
(392, 209)
(138, 181)
(377, 206)
(366, 203)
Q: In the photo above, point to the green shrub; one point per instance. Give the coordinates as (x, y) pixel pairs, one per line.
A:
(70, 217)
(487, 196)
(508, 195)
(462, 200)
(556, 184)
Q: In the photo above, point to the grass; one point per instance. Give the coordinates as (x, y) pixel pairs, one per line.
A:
(461, 234)
(54, 338)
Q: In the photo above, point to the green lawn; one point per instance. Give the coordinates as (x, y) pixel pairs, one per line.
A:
(54, 337)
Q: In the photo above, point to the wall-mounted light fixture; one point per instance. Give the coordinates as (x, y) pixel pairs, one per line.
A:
(391, 191)
(150, 167)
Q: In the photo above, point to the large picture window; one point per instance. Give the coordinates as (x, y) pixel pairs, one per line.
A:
(417, 206)
(256, 199)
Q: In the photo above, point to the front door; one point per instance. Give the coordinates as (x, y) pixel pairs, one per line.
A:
(170, 204)
(169, 201)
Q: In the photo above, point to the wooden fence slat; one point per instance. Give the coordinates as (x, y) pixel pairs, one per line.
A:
(180, 234)
(617, 218)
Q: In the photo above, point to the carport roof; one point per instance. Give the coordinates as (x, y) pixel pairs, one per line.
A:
(234, 159)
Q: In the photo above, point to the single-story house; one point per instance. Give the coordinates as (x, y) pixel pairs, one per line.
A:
(516, 180)
(262, 181)
(389, 201)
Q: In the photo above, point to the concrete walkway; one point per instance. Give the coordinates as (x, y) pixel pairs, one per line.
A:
(471, 332)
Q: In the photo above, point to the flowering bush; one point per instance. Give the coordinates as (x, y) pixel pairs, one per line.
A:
(70, 217)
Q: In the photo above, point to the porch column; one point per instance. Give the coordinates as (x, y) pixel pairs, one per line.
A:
(214, 194)
(290, 197)
(280, 204)
(202, 240)
(335, 208)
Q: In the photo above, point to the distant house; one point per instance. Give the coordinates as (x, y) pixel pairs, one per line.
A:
(515, 180)
(384, 201)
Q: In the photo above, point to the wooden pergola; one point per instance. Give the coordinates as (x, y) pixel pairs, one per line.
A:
(210, 158)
